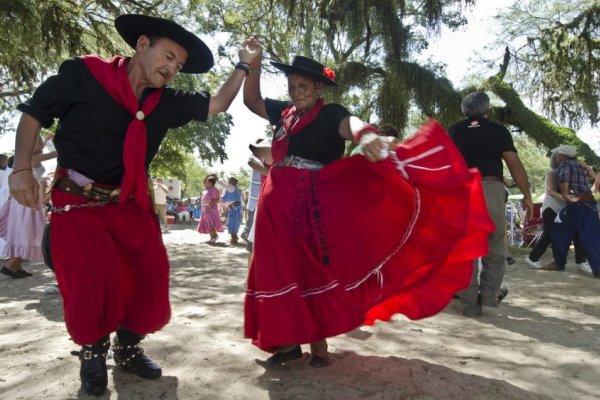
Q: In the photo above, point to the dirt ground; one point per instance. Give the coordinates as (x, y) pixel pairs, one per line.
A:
(541, 343)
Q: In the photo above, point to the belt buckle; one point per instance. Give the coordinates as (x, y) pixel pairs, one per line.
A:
(114, 195)
(86, 190)
(289, 161)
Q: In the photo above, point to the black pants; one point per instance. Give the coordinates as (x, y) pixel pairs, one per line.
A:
(545, 239)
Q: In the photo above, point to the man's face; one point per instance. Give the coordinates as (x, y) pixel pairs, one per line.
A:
(160, 60)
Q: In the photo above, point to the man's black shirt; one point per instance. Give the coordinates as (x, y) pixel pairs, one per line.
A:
(482, 142)
(91, 130)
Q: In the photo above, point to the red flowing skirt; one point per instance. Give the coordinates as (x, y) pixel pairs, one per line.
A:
(359, 241)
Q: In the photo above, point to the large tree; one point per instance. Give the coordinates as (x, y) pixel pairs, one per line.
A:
(372, 45)
(555, 49)
(36, 36)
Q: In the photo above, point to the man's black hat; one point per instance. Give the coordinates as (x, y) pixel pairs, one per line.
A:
(309, 67)
(132, 26)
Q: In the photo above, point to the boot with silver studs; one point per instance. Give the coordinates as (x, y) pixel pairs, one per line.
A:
(129, 356)
(94, 377)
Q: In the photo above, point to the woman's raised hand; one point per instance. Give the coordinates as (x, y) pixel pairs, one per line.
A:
(251, 52)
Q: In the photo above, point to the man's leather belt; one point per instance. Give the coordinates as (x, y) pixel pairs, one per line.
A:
(491, 178)
(90, 191)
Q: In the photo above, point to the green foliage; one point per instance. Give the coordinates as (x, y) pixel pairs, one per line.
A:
(58, 29)
(538, 128)
(195, 173)
(556, 51)
(371, 44)
(37, 35)
(244, 177)
(208, 139)
(367, 43)
(535, 160)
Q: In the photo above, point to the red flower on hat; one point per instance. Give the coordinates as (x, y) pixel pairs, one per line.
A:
(328, 72)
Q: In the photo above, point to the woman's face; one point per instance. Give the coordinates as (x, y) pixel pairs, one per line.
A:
(304, 91)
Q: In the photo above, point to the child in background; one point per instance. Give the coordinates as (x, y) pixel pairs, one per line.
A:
(210, 222)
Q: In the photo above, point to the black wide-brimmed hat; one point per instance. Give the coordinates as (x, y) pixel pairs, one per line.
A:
(309, 67)
(132, 26)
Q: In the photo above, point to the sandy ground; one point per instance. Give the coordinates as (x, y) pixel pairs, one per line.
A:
(541, 343)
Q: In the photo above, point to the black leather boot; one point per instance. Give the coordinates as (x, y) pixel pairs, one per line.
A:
(94, 377)
(129, 356)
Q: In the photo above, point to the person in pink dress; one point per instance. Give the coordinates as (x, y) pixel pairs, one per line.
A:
(22, 227)
(210, 220)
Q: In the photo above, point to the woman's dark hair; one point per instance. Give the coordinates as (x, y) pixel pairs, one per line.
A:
(212, 179)
(11, 159)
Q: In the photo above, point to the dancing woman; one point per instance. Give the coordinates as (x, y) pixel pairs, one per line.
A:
(320, 268)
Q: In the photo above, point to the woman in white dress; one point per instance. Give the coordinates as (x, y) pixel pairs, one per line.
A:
(22, 227)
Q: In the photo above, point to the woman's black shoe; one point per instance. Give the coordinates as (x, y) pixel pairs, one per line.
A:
(278, 359)
(21, 274)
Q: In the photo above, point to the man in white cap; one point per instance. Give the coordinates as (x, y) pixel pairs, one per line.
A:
(579, 217)
(108, 255)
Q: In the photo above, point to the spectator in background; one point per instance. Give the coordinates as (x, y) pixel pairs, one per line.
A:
(3, 162)
(508, 183)
(160, 203)
(260, 165)
(258, 171)
(171, 212)
(233, 201)
(484, 144)
(552, 203)
(210, 219)
(183, 214)
(4, 190)
(190, 206)
(22, 227)
(579, 217)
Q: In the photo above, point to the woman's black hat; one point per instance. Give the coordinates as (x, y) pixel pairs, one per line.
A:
(132, 26)
(309, 67)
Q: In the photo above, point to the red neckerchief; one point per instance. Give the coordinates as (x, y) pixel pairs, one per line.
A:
(293, 122)
(112, 75)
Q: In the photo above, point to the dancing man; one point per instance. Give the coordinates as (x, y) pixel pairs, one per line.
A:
(108, 255)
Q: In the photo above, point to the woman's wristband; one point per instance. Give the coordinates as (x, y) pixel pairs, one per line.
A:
(365, 129)
(243, 66)
(16, 171)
